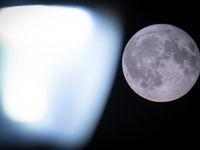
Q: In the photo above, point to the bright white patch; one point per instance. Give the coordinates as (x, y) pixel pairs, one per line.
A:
(59, 64)
(24, 97)
(39, 38)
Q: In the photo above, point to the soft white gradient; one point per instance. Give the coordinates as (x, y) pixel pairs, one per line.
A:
(58, 68)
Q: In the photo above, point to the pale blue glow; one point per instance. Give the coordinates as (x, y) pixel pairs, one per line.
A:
(58, 68)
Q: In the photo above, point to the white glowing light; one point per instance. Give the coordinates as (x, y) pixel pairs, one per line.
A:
(58, 67)
(39, 38)
(24, 99)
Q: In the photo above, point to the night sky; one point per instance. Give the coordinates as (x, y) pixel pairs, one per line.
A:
(130, 121)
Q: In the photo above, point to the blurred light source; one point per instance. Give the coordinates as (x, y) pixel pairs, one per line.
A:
(58, 67)
(37, 37)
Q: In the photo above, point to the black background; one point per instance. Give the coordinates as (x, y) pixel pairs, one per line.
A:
(129, 121)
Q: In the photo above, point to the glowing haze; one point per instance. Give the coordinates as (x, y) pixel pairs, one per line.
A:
(57, 70)
(37, 37)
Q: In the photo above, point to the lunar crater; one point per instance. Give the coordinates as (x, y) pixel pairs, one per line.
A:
(161, 63)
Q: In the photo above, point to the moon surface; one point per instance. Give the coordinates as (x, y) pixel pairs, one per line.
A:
(161, 62)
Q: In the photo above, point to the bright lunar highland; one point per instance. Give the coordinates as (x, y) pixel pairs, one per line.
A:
(161, 62)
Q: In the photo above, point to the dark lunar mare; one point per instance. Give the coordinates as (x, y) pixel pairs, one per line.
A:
(181, 55)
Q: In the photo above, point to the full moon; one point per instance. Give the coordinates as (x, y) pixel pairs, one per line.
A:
(161, 62)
